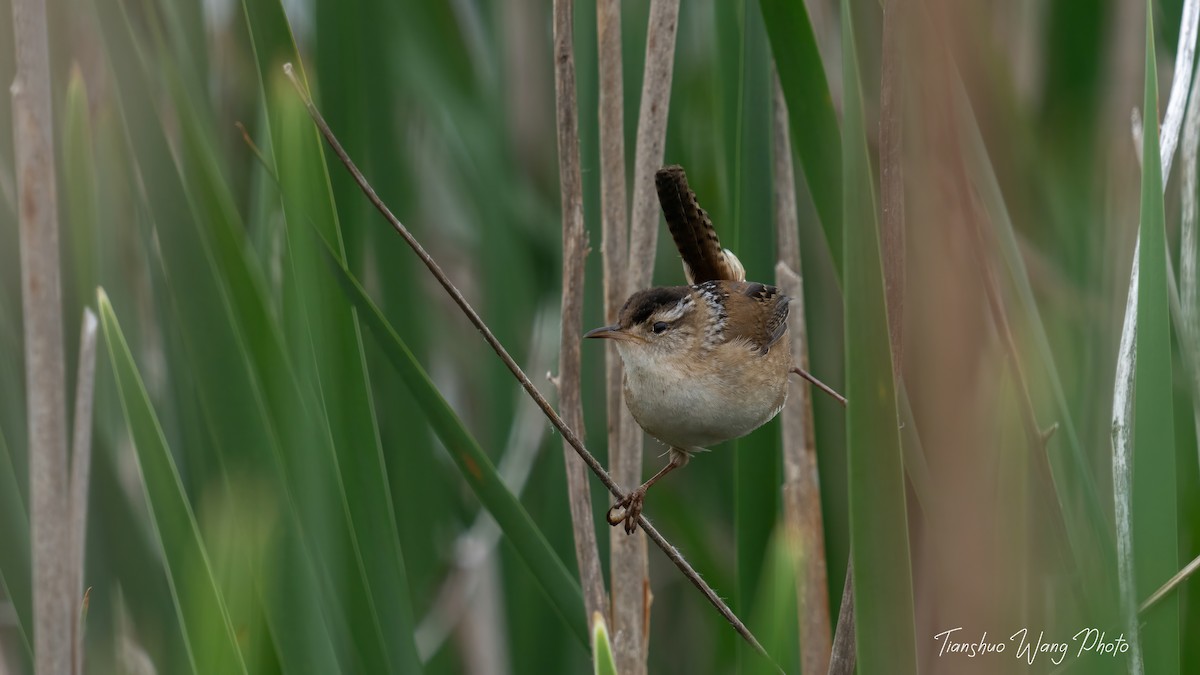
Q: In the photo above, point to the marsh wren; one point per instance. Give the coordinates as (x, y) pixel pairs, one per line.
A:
(704, 363)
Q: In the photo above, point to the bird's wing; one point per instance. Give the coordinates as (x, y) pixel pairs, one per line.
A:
(757, 314)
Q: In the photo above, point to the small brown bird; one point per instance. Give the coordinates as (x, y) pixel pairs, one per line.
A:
(704, 363)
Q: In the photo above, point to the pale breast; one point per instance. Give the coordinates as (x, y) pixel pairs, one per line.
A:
(699, 402)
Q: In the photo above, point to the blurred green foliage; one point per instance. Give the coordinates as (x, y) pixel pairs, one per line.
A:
(288, 421)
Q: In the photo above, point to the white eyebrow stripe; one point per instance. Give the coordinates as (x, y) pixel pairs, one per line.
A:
(676, 312)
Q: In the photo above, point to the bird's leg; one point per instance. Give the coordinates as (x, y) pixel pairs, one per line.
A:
(819, 384)
(628, 509)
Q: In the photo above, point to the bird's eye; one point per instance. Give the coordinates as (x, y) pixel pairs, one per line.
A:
(660, 327)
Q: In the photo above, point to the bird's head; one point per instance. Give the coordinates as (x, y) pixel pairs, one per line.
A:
(654, 322)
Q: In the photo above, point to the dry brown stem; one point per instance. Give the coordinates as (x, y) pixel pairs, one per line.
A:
(45, 382)
(630, 573)
(651, 137)
(801, 484)
(574, 251)
(843, 659)
(614, 223)
(892, 176)
(802, 495)
(613, 200)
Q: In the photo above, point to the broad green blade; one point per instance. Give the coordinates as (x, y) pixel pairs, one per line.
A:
(812, 119)
(325, 341)
(359, 45)
(225, 346)
(1155, 537)
(883, 596)
(775, 619)
(208, 635)
(750, 233)
(548, 569)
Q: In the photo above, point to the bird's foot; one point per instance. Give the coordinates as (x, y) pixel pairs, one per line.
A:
(627, 511)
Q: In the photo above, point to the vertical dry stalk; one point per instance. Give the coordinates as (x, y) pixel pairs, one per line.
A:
(574, 252)
(1122, 445)
(628, 561)
(801, 487)
(892, 181)
(41, 295)
(614, 225)
(651, 137)
(81, 469)
(1185, 55)
(802, 495)
(628, 555)
(844, 657)
(630, 576)
(1189, 250)
(787, 226)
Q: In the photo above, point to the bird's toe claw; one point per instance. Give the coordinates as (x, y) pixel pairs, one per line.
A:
(627, 511)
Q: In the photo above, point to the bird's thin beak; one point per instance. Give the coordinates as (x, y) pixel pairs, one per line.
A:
(610, 332)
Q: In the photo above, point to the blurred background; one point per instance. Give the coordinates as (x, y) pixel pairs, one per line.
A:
(317, 513)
